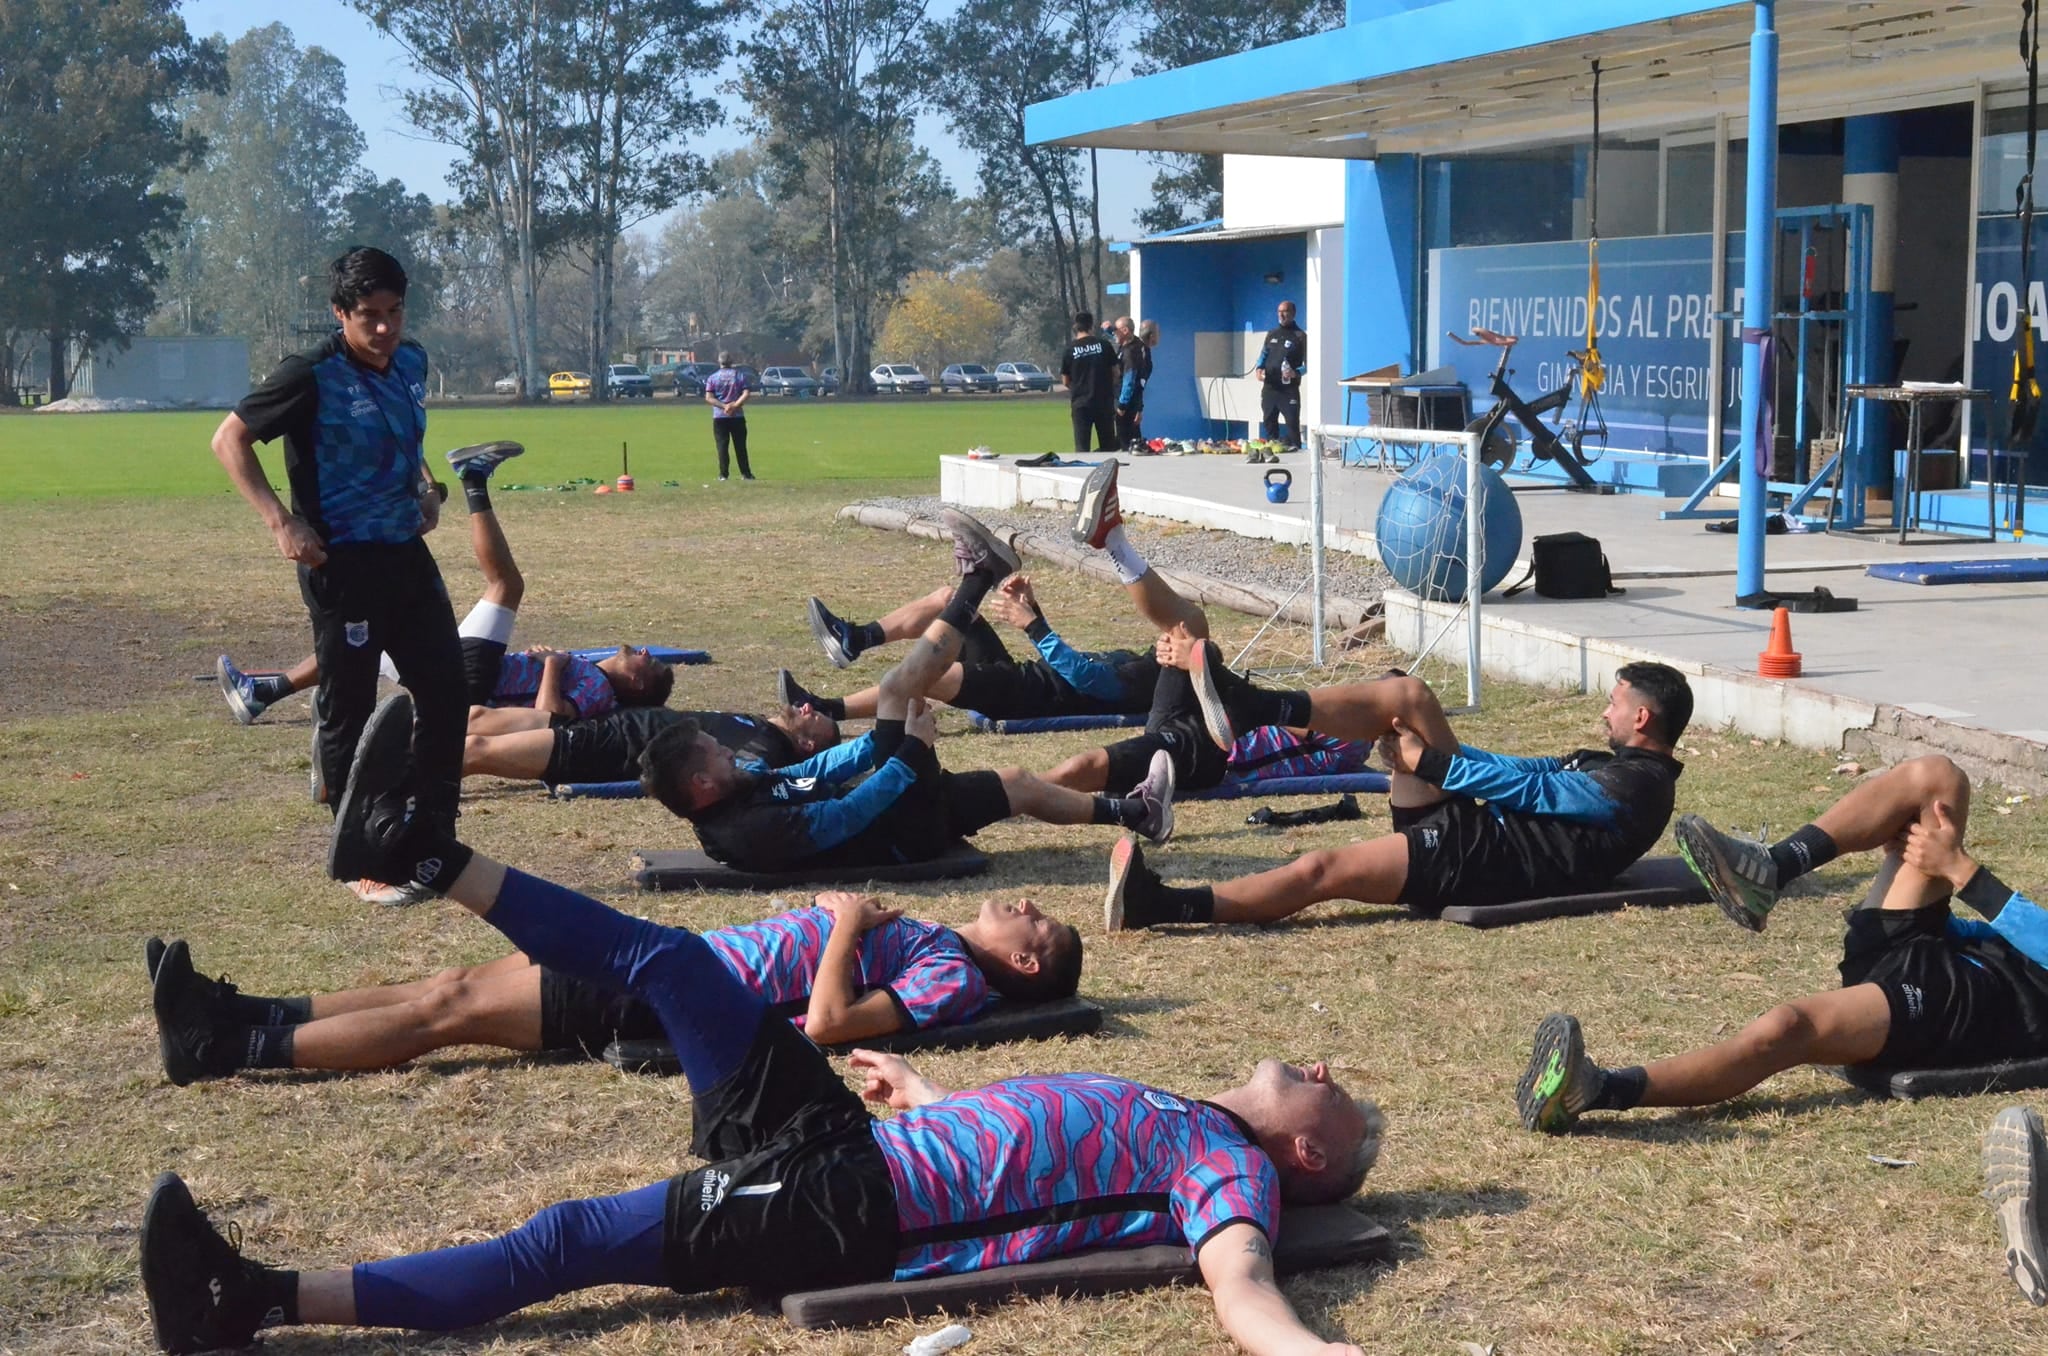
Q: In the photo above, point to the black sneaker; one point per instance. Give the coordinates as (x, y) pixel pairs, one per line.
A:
(220, 993)
(1133, 898)
(976, 547)
(203, 1294)
(841, 646)
(478, 460)
(1737, 872)
(187, 1027)
(1561, 1081)
(2015, 1175)
(375, 813)
(791, 693)
(153, 956)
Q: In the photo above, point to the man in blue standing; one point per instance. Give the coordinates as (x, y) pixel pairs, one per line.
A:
(353, 417)
(726, 392)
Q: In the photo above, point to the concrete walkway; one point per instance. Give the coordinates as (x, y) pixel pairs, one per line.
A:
(1955, 668)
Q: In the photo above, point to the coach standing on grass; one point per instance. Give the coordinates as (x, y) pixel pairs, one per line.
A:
(1089, 373)
(353, 417)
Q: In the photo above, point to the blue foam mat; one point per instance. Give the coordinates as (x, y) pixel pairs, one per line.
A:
(667, 654)
(1329, 784)
(1051, 724)
(2002, 571)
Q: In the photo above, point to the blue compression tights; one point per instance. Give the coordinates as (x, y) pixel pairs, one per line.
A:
(710, 1018)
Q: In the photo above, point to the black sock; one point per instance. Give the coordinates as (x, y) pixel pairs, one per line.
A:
(278, 1291)
(270, 687)
(272, 1011)
(1807, 850)
(1622, 1089)
(261, 1047)
(965, 603)
(1125, 811)
(1188, 903)
(476, 492)
(864, 637)
(835, 707)
(429, 855)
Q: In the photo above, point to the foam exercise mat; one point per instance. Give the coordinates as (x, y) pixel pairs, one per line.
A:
(1910, 1085)
(1652, 883)
(1325, 784)
(690, 869)
(667, 654)
(1001, 1024)
(2001, 571)
(1311, 1237)
(1052, 724)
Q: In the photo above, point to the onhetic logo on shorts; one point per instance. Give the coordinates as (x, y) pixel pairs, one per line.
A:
(715, 1183)
(1428, 836)
(1916, 1001)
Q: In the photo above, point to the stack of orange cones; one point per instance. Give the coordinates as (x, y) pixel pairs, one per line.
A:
(1779, 659)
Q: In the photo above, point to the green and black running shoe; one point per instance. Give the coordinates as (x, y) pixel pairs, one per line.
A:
(1738, 872)
(1560, 1081)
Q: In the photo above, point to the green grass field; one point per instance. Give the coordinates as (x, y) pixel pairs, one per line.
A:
(132, 805)
(168, 455)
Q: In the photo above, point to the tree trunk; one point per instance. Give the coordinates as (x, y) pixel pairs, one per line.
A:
(60, 375)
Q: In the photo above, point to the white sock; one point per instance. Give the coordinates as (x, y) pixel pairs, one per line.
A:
(1130, 566)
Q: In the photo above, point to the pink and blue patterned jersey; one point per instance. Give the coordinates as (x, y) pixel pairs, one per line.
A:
(1276, 751)
(1041, 1166)
(927, 967)
(583, 684)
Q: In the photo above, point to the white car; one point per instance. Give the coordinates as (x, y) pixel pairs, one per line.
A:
(507, 385)
(899, 378)
(627, 381)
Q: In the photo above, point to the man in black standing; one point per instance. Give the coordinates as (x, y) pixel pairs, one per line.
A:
(353, 417)
(1089, 372)
(1281, 361)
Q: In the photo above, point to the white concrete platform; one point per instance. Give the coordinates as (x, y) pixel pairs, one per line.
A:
(1957, 667)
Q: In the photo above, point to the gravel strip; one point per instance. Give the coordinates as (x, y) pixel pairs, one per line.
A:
(1171, 546)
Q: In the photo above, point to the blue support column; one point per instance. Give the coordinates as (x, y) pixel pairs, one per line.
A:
(1870, 174)
(1381, 227)
(1759, 287)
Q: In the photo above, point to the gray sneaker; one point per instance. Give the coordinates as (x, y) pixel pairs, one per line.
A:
(478, 460)
(1738, 872)
(2015, 1167)
(1560, 1081)
(975, 547)
(236, 686)
(1156, 791)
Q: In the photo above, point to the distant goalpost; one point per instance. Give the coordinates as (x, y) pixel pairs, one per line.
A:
(1332, 439)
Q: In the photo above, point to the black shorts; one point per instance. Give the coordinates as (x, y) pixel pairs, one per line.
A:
(932, 811)
(1460, 852)
(1952, 1003)
(799, 1196)
(1197, 763)
(576, 1014)
(1029, 691)
(606, 749)
(481, 662)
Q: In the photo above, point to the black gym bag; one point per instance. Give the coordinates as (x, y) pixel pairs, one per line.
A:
(1567, 565)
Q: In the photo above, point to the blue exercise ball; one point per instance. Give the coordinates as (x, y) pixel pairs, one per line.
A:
(1421, 528)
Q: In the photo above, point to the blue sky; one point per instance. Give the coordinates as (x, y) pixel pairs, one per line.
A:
(376, 67)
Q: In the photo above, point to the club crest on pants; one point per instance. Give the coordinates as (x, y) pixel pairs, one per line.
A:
(357, 633)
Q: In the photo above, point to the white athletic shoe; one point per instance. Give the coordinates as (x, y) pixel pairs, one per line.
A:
(2015, 1165)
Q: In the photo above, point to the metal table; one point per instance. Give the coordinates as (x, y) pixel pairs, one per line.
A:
(1913, 397)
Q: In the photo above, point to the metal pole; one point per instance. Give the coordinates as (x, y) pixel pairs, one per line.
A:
(1758, 289)
(1475, 567)
(1315, 529)
(1717, 286)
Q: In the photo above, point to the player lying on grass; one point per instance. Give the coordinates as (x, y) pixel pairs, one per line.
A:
(541, 678)
(1061, 681)
(1920, 987)
(907, 808)
(844, 969)
(805, 1190)
(1470, 827)
(608, 749)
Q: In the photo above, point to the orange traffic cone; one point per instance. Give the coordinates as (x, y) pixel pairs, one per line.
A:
(1779, 659)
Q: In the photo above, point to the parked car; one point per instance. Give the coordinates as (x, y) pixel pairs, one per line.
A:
(567, 385)
(899, 379)
(1022, 377)
(789, 381)
(628, 382)
(507, 384)
(689, 377)
(967, 378)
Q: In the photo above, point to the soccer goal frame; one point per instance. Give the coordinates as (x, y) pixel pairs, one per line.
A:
(1336, 436)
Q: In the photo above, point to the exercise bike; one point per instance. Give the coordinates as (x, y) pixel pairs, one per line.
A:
(1565, 446)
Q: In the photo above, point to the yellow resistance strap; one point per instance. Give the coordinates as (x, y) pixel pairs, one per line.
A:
(1593, 375)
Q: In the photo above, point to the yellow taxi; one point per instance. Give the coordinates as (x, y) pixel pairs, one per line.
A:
(567, 385)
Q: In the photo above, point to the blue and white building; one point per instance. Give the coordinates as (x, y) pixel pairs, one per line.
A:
(1428, 167)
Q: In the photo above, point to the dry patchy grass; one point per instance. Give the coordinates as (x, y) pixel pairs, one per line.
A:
(131, 805)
